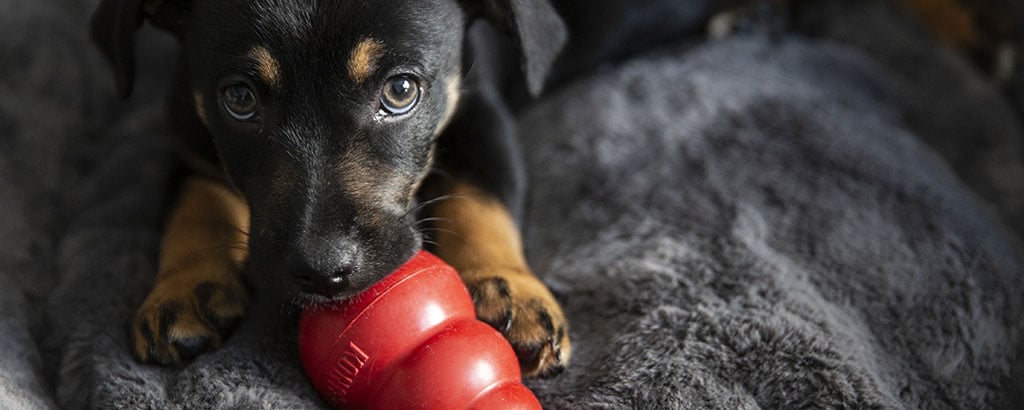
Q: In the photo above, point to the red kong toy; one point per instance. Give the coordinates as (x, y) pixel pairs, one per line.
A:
(411, 341)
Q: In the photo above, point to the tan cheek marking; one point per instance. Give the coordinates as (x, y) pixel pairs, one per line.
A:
(453, 92)
(364, 59)
(200, 107)
(357, 177)
(369, 183)
(268, 67)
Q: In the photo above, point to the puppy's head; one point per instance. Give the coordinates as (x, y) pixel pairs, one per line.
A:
(324, 115)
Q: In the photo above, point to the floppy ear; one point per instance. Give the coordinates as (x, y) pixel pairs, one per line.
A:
(114, 26)
(538, 30)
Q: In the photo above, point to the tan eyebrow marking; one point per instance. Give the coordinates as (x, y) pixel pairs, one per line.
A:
(200, 107)
(268, 67)
(364, 59)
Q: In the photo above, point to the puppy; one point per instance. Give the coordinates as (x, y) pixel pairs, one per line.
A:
(324, 139)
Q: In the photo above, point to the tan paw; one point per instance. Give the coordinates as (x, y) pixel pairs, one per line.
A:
(523, 309)
(179, 321)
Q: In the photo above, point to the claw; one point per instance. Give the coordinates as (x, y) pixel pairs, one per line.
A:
(503, 324)
(556, 349)
(508, 324)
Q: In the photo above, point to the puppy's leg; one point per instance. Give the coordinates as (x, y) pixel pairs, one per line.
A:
(476, 232)
(198, 294)
(480, 239)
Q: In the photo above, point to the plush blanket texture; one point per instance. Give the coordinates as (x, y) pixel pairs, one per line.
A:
(826, 221)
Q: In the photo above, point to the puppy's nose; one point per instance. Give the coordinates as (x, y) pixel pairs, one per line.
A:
(325, 271)
(333, 283)
(327, 283)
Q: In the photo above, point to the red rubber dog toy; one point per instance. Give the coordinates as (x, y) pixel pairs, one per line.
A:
(411, 341)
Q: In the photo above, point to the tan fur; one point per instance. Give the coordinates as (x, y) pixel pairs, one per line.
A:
(268, 67)
(204, 243)
(483, 232)
(368, 181)
(208, 219)
(453, 93)
(200, 107)
(948, 20)
(363, 59)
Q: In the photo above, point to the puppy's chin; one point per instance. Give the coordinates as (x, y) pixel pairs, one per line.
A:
(305, 300)
(276, 289)
(294, 296)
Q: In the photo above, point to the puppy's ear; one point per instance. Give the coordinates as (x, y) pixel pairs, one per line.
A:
(537, 28)
(114, 26)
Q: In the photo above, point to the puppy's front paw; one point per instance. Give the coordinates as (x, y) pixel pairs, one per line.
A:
(180, 319)
(523, 309)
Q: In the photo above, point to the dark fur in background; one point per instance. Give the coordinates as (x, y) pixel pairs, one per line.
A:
(826, 221)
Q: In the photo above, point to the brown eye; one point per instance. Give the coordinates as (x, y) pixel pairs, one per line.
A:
(240, 101)
(400, 94)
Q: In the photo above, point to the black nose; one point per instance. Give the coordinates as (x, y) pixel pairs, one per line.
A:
(325, 269)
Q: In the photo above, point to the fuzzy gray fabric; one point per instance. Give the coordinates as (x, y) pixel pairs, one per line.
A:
(799, 223)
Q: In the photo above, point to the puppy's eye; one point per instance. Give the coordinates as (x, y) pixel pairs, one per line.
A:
(400, 94)
(240, 101)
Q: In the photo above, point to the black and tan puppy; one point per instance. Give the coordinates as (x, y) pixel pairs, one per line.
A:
(312, 129)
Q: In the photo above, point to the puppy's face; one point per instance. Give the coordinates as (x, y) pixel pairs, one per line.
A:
(324, 115)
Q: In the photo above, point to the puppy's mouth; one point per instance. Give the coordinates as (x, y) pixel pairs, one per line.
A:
(301, 297)
(310, 288)
(347, 288)
(305, 300)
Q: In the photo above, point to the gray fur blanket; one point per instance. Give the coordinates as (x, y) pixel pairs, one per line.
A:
(826, 222)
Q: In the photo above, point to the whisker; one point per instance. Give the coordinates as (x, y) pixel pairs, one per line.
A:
(442, 230)
(234, 228)
(434, 219)
(429, 202)
(238, 246)
(441, 173)
(218, 223)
